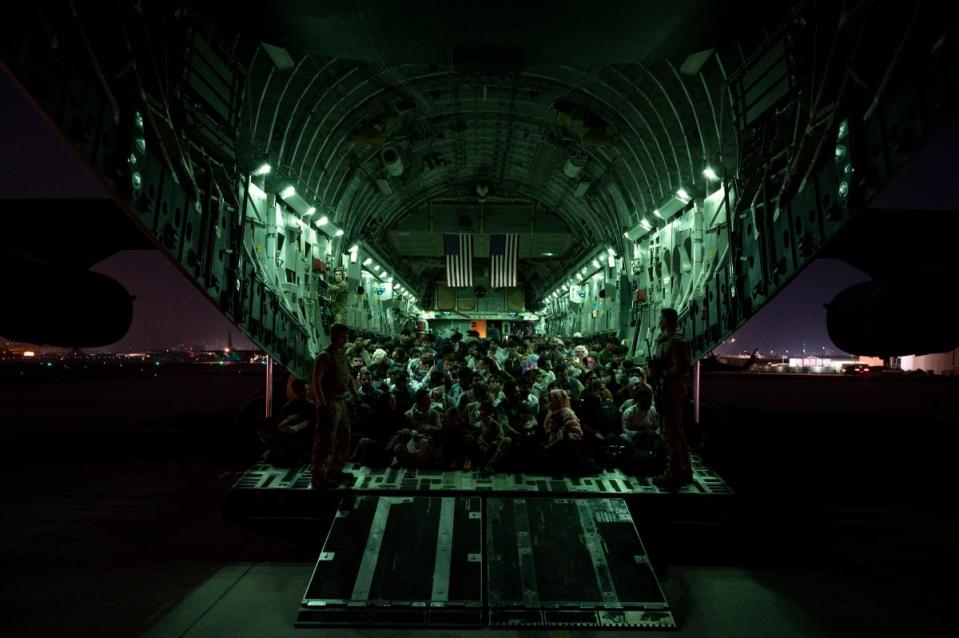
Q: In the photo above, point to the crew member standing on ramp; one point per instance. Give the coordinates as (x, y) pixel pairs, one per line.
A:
(670, 369)
(331, 381)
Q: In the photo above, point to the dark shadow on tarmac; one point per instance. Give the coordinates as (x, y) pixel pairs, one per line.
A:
(846, 501)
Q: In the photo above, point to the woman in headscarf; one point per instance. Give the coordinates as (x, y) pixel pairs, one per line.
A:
(564, 451)
(561, 422)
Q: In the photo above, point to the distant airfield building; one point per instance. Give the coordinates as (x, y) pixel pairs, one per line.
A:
(946, 363)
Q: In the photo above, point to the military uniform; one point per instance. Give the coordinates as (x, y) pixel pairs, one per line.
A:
(338, 295)
(331, 446)
(673, 351)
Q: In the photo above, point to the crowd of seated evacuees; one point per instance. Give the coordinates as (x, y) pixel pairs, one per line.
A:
(549, 405)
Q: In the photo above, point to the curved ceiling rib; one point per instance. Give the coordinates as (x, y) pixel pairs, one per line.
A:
(316, 106)
(679, 120)
(454, 130)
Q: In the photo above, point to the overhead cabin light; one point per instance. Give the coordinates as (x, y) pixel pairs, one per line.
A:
(289, 191)
(310, 211)
(323, 221)
(354, 248)
(376, 267)
(626, 235)
(263, 169)
(339, 232)
(683, 195)
(656, 213)
(611, 250)
(645, 224)
(710, 174)
(367, 261)
(612, 260)
(390, 279)
(596, 263)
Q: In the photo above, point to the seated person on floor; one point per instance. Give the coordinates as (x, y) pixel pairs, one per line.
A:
(290, 439)
(626, 394)
(423, 446)
(439, 384)
(375, 450)
(401, 389)
(565, 382)
(564, 453)
(423, 417)
(640, 418)
(645, 453)
(528, 443)
(486, 442)
(369, 394)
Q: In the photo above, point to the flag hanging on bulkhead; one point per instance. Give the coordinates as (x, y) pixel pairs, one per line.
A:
(504, 260)
(458, 250)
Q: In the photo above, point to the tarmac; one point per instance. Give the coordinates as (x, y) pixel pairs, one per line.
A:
(846, 523)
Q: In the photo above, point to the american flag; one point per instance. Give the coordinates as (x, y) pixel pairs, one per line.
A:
(504, 260)
(458, 250)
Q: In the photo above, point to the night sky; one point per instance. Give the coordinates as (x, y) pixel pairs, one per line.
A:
(169, 311)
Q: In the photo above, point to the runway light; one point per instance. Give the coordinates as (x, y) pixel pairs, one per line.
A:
(338, 233)
(323, 221)
(710, 174)
(310, 211)
(263, 169)
(367, 261)
(683, 195)
(289, 191)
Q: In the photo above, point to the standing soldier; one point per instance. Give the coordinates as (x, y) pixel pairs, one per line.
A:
(331, 381)
(339, 291)
(670, 369)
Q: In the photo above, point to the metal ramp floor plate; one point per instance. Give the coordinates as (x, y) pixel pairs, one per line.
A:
(396, 561)
(399, 561)
(569, 563)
